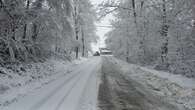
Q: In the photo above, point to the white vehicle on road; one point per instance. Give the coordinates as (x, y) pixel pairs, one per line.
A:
(105, 52)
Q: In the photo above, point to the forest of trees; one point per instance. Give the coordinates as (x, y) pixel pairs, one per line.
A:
(159, 33)
(35, 29)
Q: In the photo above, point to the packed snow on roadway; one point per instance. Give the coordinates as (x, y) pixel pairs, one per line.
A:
(57, 84)
(175, 89)
(17, 81)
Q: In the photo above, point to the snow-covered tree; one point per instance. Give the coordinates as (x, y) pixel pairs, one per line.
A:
(157, 32)
(84, 19)
(33, 29)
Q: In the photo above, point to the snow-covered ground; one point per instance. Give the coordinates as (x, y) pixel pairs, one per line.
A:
(61, 85)
(175, 88)
(17, 83)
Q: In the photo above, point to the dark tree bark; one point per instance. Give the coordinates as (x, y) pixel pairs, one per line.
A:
(193, 12)
(76, 30)
(164, 33)
(142, 28)
(25, 25)
(35, 32)
(83, 42)
(134, 11)
(77, 48)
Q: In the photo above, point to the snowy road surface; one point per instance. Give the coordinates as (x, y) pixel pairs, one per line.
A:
(75, 91)
(106, 83)
(131, 87)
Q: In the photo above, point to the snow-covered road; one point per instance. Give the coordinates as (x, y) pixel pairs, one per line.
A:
(131, 87)
(74, 91)
(107, 83)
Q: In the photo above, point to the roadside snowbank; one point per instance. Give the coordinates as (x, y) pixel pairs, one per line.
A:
(80, 60)
(22, 79)
(175, 88)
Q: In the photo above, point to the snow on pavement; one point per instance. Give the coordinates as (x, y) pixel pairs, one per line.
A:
(71, 102)
(63, 93)
(90, 92)
(33, 76)
(175, 88)
(76, 87)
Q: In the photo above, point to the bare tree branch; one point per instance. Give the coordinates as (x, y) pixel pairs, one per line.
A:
(5, 9)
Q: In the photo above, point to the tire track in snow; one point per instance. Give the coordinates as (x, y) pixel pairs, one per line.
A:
(124, 93)
(65, 88)
(63, 99)
(43, 101)
(88, 101)
(76, 95)
(51, 95)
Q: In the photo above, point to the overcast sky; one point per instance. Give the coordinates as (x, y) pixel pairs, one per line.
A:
(101, 31)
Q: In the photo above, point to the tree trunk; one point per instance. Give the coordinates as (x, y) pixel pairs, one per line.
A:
(25, 29)
(11, 52)
(33, 38)
(77, 52)
(193, 12)
(25, 25)
(142, 34)
(35, 32)
(83, 42)
(10, 47)
(24, 33)
(134, 11)
(77, 47)
(127, 45)
(164, 33)
(76, 29)
(127, 52)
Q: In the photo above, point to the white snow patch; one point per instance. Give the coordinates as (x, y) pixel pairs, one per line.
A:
(18, 83)
(176, 88)
(179, 79)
